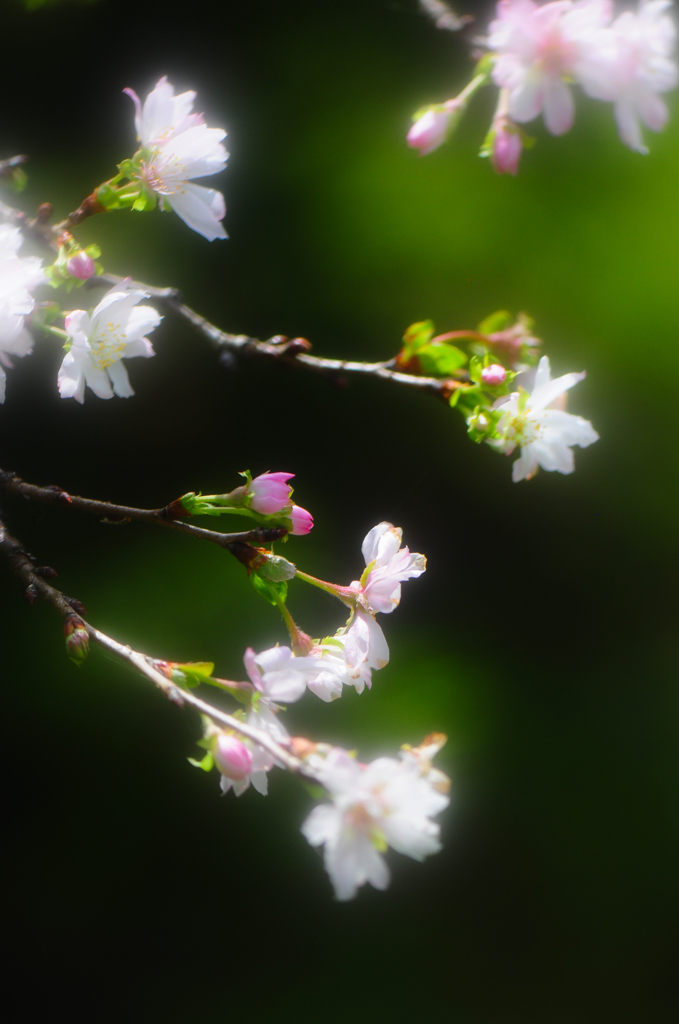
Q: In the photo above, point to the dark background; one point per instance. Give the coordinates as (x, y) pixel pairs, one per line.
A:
(542, 638)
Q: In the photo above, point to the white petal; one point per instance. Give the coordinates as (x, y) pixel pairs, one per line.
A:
(525, 466)
(202, 209)
(120, 380)
(559, 108)
(321, 825)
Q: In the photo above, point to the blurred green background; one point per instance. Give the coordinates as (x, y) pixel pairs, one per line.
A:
(542, 639)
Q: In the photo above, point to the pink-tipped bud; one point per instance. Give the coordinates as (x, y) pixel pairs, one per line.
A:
(494, 374)
(81, 266)
(232, 758)
(507, 148)
(302, 521)
(430, 131)
(270, 492)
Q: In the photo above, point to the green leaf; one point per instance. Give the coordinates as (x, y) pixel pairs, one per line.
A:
(276, 568)
(475, 367)
(499, 321)
(273, 592)
(417, 336)
(440, 359)
(206, 763)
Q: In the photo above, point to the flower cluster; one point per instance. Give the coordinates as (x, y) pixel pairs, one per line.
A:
(536, 53)
(386, 803)
(18, 276)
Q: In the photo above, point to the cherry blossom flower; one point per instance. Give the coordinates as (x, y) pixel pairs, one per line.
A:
(180, 147)
(643, 68)
(302, 521)
(387, 565)
(114, 331)
(232, 757)
(346, 659)
(385, 803)
(81, 266)
(544, 435)
(274, 678)
(540, 48)
(493, 374)
(18, 275)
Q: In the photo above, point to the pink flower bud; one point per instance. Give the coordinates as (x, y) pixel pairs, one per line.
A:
(494, 374)
(302, 521)
(81, 266)
(507, 147)
(429, 131)
(232, 757)
(270, 492)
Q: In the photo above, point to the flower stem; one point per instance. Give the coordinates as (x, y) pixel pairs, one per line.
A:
(345, 594)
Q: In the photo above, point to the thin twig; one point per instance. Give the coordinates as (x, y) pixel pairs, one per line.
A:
(121, 513)
(22, 566)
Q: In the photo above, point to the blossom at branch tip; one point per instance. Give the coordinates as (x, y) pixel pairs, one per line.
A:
(545, 435)
(644, 45)
(387, 566)
(18, 276)
(115, 330)
(539, 49)
(177, 147)
(384, 803)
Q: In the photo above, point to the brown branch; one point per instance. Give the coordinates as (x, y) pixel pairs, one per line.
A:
(289, 351)
(22, 566)
(109, 512)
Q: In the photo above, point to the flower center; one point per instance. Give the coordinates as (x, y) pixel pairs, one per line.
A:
(108, 346)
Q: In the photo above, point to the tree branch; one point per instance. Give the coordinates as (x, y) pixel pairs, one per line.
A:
(22, 566)
(13, 484)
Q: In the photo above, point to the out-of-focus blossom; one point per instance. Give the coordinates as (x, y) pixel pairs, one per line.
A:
(115, 330)
(385, 803)
(387, 566)
(545, 435)
(539, 49)
(180, 148)
(643, 67)
(18, 275)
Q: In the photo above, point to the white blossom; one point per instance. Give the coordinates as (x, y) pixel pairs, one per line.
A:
(643, 68)
(385, 803)
(387, 565)
(346, 659)
(114, 331)
(275, 678)
(544, 435)
(539, 49)
(181, 147)
(18, 275)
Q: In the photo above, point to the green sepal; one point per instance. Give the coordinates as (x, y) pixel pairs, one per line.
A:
(206, 763)
(195, 672)
(273, 592)
(366, 572)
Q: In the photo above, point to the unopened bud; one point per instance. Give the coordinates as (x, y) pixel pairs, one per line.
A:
(494, 374)
(479, 423)
(269, 493)
(77, 639)
(429, 131)
(232, 757)
(81, 266)
(302, 521)
(507, 146)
